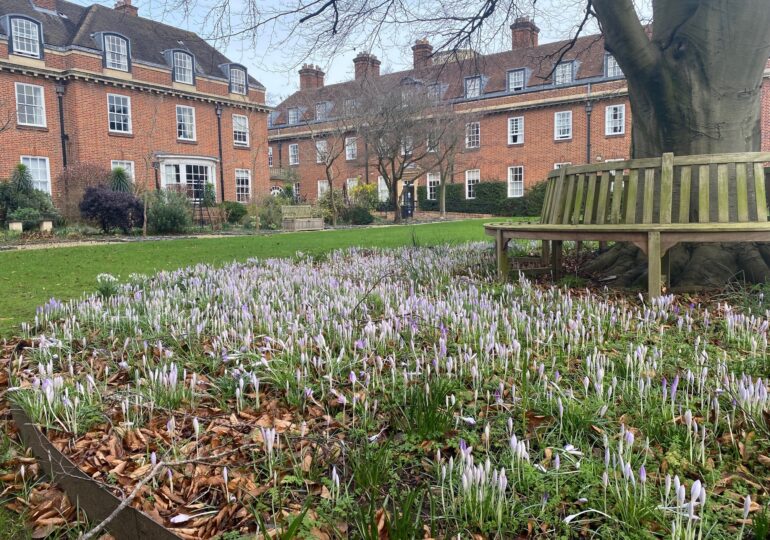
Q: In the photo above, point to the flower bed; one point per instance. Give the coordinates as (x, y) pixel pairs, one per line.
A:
(403, 394)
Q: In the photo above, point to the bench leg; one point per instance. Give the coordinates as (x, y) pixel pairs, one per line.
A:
(546, 252)
(503, 263)
(556, 262)
(653, 265)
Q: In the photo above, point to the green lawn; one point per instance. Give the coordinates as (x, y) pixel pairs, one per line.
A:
(30, 278)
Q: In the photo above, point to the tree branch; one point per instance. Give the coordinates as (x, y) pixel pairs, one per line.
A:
(625, 37)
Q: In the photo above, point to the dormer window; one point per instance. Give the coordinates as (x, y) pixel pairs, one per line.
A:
(611, 67)
(322, 111)
(116, 52)
(564, 73)
(294, 116)
(26, 40)
(183, 67)
(472, 87)
(238, 81)
(516, 80)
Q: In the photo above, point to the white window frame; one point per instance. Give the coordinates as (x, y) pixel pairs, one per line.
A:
(433, 181)
(516, 130)
(473, 135)
(472, 179)
(323, 108)
(35, 182)
(243, 141)
(615, 124)
(564, 73)
(182, 69)
(321, 150)
(181, 181)
(407, 146)
(322, 187)
(561, 164)
(269, 156)
(128, 166)
(112, 101)
(351, 148)
(515, 181)
(383, 191)
(563, 134)
(38, 107)
(294, 154)
(182, 109)
(472, 87)
(240, 195)
(509, 80)
(350, 183)
(611, 67)
(292, 116)
(20, 37)
(116, 53)
(238, 85)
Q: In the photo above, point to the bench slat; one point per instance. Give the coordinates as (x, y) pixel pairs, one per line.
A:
(703, 194)
(649, 193)
(588, 216)
(716, 159)
(568, 200)
(666, 187)
(723, 195)
(741, 192)
(601, 209)
(576, 212)
(617, 197)
(558, 201)
(547, 202)
(759, 192)
(633, 189)
(684, 194)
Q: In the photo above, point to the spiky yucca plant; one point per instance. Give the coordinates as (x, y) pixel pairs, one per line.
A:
(21, 178)
(120, 180)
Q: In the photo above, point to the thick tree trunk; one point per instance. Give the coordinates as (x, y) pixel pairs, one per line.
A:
(694, 87)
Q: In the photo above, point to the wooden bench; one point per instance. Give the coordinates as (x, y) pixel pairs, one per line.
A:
(300, 218)
(655, 203)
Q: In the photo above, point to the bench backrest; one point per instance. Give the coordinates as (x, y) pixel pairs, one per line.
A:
(301, 211)
(715, 188)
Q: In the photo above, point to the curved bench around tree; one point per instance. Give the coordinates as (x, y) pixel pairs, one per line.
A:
(654, 203)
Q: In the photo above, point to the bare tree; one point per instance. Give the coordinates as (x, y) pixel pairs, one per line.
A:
(393, 119)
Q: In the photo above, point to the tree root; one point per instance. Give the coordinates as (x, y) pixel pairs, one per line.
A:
(690, 265)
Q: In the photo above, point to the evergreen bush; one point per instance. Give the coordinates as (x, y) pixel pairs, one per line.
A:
(491, 198)
(112, 209)
(168, 212)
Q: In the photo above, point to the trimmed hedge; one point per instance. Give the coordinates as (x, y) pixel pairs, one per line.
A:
(491, 198)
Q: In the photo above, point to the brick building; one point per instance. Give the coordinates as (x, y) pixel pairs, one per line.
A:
(108, 87)
(524, 121)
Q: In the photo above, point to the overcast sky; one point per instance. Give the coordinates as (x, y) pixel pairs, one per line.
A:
(276, 66)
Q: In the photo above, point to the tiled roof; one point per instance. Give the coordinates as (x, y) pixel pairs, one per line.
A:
(74, 25)
(588, 54)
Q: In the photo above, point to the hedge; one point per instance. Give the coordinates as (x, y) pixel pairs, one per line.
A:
(491, 198)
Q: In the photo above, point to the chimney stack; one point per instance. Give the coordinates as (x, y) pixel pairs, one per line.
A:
(125, 7)
(422, 54)
(366, 65)
(311, 77)
(524, 33)
(49, 5)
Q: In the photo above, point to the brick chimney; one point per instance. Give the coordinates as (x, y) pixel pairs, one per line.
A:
(310, 77)
(125, 7)
(524, 33)
(422, 54)
(50, 5)
(366, 65)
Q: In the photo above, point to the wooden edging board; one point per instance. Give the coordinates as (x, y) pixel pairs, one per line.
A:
(84, 492)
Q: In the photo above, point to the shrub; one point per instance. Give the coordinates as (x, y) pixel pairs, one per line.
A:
(168, 212)
(359, 215)
(17, 194)
(269, 212)
(491, 198)
(120, 181)
(333, 213)
(364, 195)
(21, 178)
(73, 182)
(112, 209)
(30, 217)
(234, 211)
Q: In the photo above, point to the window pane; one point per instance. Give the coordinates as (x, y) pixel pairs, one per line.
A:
(563, 73)
(351, 148)
(516, 80)
(116, 52)
(183, 68)
(240, 130)
(185, 123)
(26, 37)
(119, 113)
(434, 180)
(38, 169)
(238, 81)
(473, 135)
(473, 87)
(516, 181)
(562, 125)
(516, 130)
(30, 108)
(472, 178)
(293, 154)
(127, 166)
(242, 185)
(197, 177)
(615, 120)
